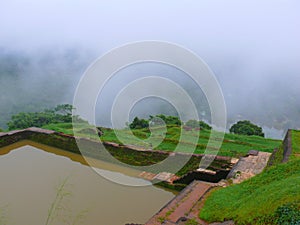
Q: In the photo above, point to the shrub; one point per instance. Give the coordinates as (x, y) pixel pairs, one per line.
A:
(288, 214)
(192, 222)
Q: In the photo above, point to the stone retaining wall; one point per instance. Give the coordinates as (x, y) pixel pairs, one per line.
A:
(141, 157)
(287, 146)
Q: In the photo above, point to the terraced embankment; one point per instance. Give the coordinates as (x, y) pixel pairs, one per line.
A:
(125, 154)
(189, 203)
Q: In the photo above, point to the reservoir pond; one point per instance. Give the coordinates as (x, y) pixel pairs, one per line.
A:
(39, 182)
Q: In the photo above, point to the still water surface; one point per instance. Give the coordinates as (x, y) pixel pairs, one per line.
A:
(31, 173)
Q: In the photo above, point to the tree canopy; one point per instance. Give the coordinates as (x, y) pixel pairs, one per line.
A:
(60, 114)
(161, 119)
(245, 127)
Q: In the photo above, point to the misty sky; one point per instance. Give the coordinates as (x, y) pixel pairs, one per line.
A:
(232, 27)
(252, 46)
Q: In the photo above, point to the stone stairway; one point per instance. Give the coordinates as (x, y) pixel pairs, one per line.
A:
(249, 166)
(181, 205)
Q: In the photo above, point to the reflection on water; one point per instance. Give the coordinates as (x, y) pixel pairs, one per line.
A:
(29, 178)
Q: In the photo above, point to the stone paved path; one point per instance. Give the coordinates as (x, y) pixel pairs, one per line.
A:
(181, 205)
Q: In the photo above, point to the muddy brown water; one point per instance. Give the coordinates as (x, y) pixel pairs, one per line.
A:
(30, 174)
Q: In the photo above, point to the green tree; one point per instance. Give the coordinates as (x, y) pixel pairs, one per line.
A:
(64, 109)
(138, 123)
(64, 113)
(245, 127)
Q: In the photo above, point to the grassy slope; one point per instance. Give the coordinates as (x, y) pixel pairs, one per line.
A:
(61, 127)
(233, 145)
(67, 128)
(255, 201)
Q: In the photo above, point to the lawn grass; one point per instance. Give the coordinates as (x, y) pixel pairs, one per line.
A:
(233, 145)
(65, 128)
(255, 200)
